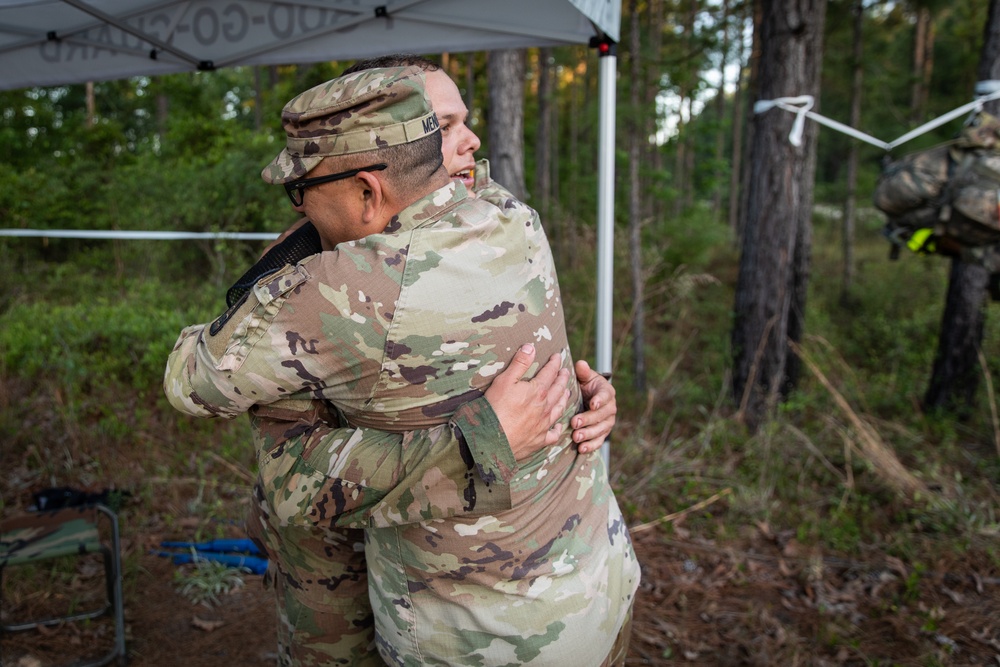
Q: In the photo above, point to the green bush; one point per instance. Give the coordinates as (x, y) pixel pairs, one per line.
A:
(103, 341)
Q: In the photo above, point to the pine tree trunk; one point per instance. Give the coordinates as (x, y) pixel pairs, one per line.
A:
(470, 82)
(683, 175)
(653, 153)
(635, 206)
(258, 100)
(850, 203)
(577, 93)
(543, 141)
(162, 111)
(720, 109)
(505, 71)
(956, 372)
(689, 155)
(928, 66)
(679, 177)
(774, 263)
(554, 152)
(91, 119)
(955, 376)
(922, 63)
(749, 124)
(736, 161)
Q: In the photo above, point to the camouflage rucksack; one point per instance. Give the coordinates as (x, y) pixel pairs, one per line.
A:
(947, 199)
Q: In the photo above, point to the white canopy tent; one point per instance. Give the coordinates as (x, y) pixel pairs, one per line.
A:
(57, 42)
(53, 42)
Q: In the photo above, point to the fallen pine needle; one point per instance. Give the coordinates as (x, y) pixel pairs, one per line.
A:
(685, 512)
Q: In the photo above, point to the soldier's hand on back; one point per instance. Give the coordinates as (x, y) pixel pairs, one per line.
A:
(529, 409)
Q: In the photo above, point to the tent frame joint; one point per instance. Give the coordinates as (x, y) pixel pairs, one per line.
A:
(605, 45)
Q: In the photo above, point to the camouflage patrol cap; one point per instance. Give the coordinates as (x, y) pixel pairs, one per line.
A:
(359, 112)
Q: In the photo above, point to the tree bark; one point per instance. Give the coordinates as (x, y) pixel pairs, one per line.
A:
(693, 84)
(736, 171)
(505, 70)
(543, 143)
(923, 64)
(635, 128)
(720, 110)
(955, 376)
(850, 203)
(470, 82)
(689, 155)
(653, 151)
(162, 112)
(578, 92)
(679, 177)
(91, 102)
(774, 263)
(956, 372)
(258, 99)
(748, 121)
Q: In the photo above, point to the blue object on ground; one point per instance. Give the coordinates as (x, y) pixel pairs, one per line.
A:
(242, 545)
(232, 553)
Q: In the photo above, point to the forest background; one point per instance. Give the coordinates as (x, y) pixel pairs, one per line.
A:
(851, 526)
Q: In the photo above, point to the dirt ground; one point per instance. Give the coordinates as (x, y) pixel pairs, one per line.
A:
(760, 600)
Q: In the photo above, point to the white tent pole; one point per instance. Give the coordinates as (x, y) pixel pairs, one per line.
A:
(605, 209)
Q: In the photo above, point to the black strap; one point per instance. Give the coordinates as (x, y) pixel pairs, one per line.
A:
(298, 245)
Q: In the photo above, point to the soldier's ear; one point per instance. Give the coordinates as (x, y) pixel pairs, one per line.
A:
(373, 195)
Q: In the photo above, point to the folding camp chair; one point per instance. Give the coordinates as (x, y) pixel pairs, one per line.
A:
(74, 531)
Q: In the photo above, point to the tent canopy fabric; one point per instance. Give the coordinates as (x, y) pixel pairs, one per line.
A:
(57, 42)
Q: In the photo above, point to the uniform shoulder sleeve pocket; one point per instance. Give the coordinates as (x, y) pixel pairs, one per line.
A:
(279, 284)
(243, 323)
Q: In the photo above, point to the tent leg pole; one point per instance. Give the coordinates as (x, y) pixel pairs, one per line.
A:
(605, 210)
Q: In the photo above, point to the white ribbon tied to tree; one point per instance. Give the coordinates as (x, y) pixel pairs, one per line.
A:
(802, 106)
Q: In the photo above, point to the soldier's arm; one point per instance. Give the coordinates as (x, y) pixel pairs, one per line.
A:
(358, 477)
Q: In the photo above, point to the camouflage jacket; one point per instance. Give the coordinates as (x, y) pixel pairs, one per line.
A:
(508, 563)
(196, 382)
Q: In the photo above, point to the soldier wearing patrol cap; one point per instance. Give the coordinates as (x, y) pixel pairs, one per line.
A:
(332, 131)
(480, 558)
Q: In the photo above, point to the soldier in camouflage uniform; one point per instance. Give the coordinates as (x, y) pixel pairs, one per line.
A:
(364, 328)
(341, 628)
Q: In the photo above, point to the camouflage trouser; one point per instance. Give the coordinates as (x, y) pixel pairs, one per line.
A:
(320, 577)
(616, 658)
(321, 582)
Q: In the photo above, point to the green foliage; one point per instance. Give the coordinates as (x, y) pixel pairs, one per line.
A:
(689, 239)
(102, 342)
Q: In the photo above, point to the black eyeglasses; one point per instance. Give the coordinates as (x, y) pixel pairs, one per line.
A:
(295, 188)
